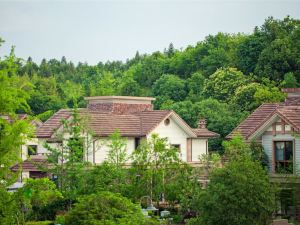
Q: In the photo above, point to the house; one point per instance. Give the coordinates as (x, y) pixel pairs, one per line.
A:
(277, 127)
(27, 149)
(136, 120)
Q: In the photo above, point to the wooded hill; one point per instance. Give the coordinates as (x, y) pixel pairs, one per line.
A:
(222, 78)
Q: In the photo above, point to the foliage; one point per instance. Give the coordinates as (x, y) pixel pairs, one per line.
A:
(170, 86)
(9, 213)
(36, 196)
(67, 156)
(105, 208)
(14, 93)
(222, 84)
(151, 161)
(117, 153)
(240, 193)
(39, 223)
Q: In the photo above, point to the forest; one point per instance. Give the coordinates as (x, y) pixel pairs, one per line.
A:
(222, 78)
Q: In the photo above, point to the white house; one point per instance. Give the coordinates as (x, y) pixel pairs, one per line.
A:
(136, 119)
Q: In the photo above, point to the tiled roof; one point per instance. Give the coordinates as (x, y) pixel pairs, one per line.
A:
(31, 164)
(102, 124)
(254, 120)
(47, 129)
(203, 132)
(290, 114)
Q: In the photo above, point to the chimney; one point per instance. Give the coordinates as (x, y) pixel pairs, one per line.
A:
(119, 104)
(293, 97)
(202, 123)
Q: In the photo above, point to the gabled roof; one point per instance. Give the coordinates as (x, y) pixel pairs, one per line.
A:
(102, 124)
(290, 114)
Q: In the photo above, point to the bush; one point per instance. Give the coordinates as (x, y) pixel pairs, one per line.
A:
(105, 208)
(39, 223)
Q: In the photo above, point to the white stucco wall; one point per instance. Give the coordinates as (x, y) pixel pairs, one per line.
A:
(175, 134)
(101, 149)
(198, 148)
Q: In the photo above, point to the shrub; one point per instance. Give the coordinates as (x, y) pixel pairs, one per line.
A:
(105, 208)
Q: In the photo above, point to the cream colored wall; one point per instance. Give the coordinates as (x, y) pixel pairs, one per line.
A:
(102, 149)
(175, 134)
(24, 148)
(198, 148)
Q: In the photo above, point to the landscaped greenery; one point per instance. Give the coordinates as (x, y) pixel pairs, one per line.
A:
(222, 78)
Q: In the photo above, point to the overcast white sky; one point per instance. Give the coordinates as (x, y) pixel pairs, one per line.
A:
(94, 31)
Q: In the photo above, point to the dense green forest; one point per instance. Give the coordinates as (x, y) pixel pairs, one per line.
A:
(222, 78)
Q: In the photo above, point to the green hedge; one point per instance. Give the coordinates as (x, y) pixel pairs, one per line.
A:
(40, 223)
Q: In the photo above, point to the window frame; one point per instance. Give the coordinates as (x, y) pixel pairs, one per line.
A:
(285, 162)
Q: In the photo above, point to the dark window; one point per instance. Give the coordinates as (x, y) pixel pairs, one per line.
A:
(32, 150)
(137, 142)
(178, 149)
(283, 156)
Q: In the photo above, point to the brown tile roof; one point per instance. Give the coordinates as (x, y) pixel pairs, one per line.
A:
(291, 114)
(32, 164)
(47, 129)
(204, 132)
(103, 124)
(254, 120)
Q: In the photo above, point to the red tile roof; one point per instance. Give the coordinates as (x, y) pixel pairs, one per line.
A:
(290, 114)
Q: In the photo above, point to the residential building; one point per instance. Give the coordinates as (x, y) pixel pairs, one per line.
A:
(135, 119)
(277, 127)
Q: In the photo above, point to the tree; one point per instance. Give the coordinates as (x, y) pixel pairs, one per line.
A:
(36, 196)
(249, 97)
(68, 158)
(150, 163)
(170, 86)
(117, 153)
(105, 208)
(289, 81)
(239, 193)
(222, 84)
(9, 212)
(195, 86)
(14, 93)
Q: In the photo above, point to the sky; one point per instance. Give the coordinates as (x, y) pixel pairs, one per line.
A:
(94, 31)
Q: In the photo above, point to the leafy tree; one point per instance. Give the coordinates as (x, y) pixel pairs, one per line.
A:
(239, 193)
(195, 86)
(249, 97)
(36, 196)
(170, 86)
(117, 153)
(222, 84)
(150, 162)
(289, 81)
(67, 158)
(105, 208)
(9, 212)
(13, 132)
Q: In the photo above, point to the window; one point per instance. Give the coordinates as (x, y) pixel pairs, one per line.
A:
(283, 156)
(32, 150)
(137, 142)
